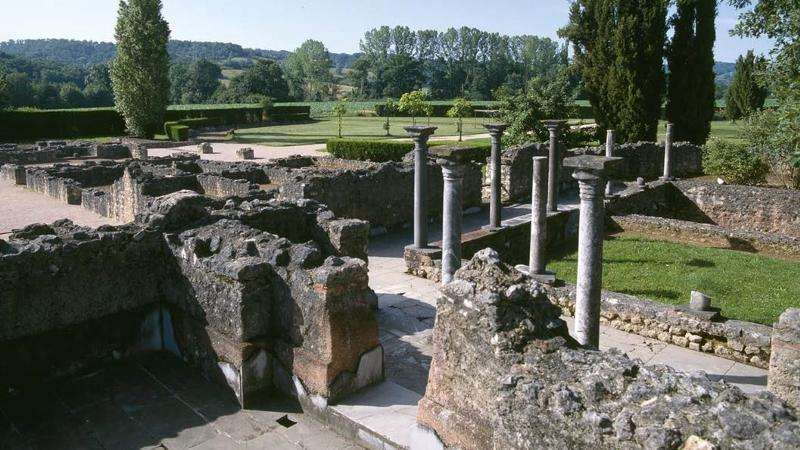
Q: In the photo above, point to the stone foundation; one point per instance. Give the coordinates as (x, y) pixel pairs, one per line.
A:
(784, 367)
(498, 338)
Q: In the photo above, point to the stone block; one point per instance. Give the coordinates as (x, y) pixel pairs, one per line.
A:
(245, 153)
(784, 364)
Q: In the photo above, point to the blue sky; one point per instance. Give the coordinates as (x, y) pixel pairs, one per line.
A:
(284, 24)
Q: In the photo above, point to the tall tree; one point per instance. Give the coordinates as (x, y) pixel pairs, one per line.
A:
(690, 100)
(745, 94)
(140, 71)
(97, 88)
(619, 52)
(264, 79)
(203, 81)
(5, 98)
(308, 71)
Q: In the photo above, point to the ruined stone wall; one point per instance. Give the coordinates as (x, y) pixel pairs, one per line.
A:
(381, 194)
(44, 182)
(498, 338)
(740, 341)
(761, 209)
(515, 172)
(249, 307)
(13, 173)
(646, 159)
(222, 187)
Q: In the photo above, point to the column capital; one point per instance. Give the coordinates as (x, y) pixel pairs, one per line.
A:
(496, 129)
(553, 125)
(591, 172)
(419, 132)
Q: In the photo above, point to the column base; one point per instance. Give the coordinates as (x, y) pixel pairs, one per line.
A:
(545, 277)
(491, 228)
(666, 178)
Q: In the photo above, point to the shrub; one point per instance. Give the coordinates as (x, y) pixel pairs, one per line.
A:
(176, 131)
(376, 151)
(734, 162)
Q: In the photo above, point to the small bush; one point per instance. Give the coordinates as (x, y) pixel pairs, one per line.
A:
(176, 131)
(734, 162)
(376, 151)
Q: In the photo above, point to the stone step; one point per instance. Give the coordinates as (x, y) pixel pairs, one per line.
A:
(380, 417)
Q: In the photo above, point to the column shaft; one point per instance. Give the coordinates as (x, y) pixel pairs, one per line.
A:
(536, 262)
(495, 204)
(590, 262)
(453, 175)
(420, 193)
(609, 154)
(668, 153)
(552, 176)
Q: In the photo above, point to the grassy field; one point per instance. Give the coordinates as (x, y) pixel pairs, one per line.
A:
(321, 130)
(746, 286)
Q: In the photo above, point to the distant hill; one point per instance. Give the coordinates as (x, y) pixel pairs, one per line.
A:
(89, 53)
(724, 71)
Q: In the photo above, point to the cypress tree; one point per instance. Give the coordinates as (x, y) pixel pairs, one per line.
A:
(745, 94)
(619, 51)
(140, 71)
(690, 102)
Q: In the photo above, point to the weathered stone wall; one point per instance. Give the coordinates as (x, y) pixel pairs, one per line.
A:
(784, 367)
(222, 187)
(515, 172)
(248, 306)
(13, 173)
(529, 385)
(736, 340)
(381, 194)
(44, 182)
(646, 159)
(760, 209)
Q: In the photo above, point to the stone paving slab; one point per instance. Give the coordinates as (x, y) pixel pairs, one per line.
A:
(153, 401)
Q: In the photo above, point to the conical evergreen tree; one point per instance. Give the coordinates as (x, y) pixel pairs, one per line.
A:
(690, 102)
(619, 51)
(140, 71)
(745, 94)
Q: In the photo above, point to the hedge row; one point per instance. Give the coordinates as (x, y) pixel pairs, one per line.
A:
(385, 151)
(31, 125)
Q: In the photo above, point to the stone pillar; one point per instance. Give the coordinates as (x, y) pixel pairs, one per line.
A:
(609, 154)
(139, 151)
(552, 175)
(537, 262)
(784, 363)
(496, 132)
(420, 135)
(668, 153)
(452, 160)
(591, 173)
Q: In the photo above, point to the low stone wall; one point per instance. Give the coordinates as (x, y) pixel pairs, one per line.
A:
(646, 159)
(529, 384)
(13, 173)
(223, 187)
(44, 182)
(784, 367)
(758, 209)
(382, 194)
(254, 310)
(736, 340)
(709, 235)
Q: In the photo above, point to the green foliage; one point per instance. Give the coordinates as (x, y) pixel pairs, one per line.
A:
(264, 79)
(339, 110)
(20, 125)
(377, 151)
(774, 134)
(461, 108)
(4, 96)
(389, 108)
(415, 104)
(308, 71)
(734, 162)
(70, 94)
(140, 71)
(543, 98)
(194, 83)
(745, 95)
(619, 53)
(690, 100)
(176, 131)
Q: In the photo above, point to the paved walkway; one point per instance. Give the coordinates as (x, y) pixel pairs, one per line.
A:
(20, 206)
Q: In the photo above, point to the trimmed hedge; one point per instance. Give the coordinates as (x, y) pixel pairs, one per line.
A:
(31, 125)
(176, 131)
(386, 151)
(376, 151)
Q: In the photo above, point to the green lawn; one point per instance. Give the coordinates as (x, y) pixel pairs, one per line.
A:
(746, 286)
(319, 131)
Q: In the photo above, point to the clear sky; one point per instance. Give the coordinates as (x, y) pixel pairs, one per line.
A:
(284, 24)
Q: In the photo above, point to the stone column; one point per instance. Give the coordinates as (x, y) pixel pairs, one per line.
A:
(591, 173)
(537, 261)
(420, 135)
(495, 206)
(784, 363)
(552, 176)
(452, 160)
(668, 153)
(609, 154)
